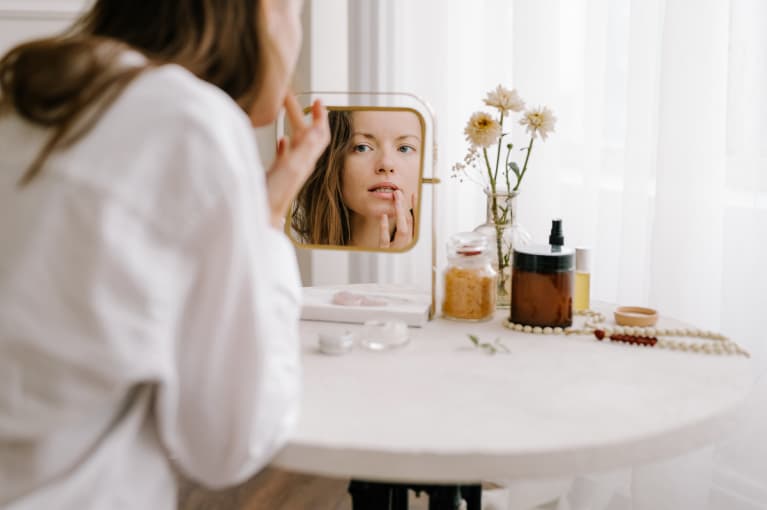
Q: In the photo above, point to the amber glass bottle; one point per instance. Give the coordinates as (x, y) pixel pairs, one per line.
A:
(542, 283)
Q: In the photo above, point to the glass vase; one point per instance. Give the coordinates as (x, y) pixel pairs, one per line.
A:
(504, 233)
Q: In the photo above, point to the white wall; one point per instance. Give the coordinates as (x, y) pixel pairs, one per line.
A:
(26, 19)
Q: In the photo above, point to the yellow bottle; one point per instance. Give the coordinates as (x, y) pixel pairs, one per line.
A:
(582, 297)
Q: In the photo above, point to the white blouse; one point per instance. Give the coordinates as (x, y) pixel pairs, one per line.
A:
(148, 310)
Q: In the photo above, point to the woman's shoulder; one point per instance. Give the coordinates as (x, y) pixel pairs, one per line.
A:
(170, 147)
(171, 94)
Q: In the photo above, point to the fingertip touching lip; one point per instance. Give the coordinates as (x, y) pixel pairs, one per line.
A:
(384, 186)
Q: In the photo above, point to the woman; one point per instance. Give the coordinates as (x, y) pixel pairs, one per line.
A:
(364, 188)
(148, 301)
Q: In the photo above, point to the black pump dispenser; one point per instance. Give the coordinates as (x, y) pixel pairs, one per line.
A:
(555, 237)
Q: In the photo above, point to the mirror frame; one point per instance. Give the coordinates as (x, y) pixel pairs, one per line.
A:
(386, 101)
(417, 209)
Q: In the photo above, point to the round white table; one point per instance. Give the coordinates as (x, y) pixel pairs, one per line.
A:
(441, 411)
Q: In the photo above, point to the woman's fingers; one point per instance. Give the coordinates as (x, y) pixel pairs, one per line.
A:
(283, 144)
(402, 214)
(310, 143)
(319, 114)
(383, 232)
(318, 133)
(404, 232)
(295, 115)
(296, 156)
(299, 128)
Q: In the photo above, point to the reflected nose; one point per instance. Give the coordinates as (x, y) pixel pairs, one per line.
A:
(385, 164)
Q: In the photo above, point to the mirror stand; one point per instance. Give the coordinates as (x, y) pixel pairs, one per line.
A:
(338, 210)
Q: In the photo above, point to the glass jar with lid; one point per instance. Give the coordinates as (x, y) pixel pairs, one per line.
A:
(470, 280)
(543, 286)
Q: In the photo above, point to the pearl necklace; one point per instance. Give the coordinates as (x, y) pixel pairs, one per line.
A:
(643, 337)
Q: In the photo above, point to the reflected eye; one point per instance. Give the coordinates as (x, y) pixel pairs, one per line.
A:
(362, 148)
(406, 149)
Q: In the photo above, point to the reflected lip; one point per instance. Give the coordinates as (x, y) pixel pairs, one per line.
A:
(380, 185)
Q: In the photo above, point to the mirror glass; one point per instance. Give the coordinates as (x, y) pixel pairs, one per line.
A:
(365, 192)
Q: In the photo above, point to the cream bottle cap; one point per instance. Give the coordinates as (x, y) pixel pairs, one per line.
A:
(583, 260)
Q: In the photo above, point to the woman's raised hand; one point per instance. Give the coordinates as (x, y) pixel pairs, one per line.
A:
(403, 234)
(296, 157)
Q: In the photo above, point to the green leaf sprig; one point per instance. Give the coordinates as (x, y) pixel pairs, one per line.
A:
(490, 348)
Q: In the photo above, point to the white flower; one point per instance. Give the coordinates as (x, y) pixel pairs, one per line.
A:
(539, 121)
(482, 130)
(472, 155)
(505, 100)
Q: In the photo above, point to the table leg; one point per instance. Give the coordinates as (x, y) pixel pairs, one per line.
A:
(399, 496)
(389, 496)
(447, 497)
(473, 496)
(378, 496)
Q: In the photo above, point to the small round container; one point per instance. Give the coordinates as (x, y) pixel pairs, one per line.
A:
(635, 316)
(379, 335)
(470, 280)
(542, 286)
(335, 343)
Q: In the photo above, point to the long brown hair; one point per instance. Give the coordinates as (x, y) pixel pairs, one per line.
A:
(66, 82)
(319, 215)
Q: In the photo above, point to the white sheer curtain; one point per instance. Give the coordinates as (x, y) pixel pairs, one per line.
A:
(659, 162)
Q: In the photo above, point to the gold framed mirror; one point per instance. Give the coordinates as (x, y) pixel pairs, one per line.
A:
(365, 191)
(368, 190)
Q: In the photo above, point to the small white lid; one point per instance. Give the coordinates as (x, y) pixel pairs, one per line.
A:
(335, 342)
(583, 260)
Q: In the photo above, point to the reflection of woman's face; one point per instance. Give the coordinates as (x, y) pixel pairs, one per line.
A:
(384, 156)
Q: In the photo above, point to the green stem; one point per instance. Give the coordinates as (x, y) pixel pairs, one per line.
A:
(506, 168)
(489, 170)
(524, 168)
(498, 152)
(499, 252)
(494, 214)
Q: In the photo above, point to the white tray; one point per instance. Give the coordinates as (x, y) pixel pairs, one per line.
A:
(408, 305)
